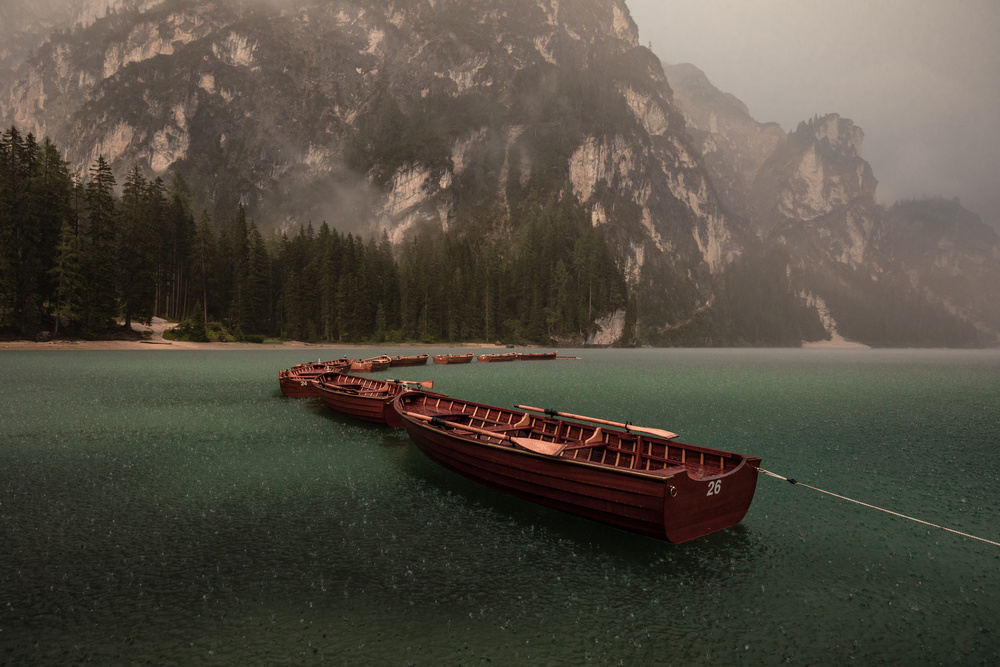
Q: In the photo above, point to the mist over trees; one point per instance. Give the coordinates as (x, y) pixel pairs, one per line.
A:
(78, 258)
(88, 259)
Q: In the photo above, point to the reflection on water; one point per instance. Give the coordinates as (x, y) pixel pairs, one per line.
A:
(173, 507)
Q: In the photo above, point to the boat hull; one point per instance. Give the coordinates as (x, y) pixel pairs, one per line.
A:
(413, 360)
(298, 385)
(496, 358)
(297, 381)
(379, 363)
(675, 503)
(536, 356)
(453, 358)
(360, 398)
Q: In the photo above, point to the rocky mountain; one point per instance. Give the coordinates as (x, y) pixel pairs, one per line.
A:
(401, 114)
(25, 25)
(949, 255)
(870, 272)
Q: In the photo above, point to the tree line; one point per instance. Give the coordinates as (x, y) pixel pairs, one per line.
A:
(87, 258)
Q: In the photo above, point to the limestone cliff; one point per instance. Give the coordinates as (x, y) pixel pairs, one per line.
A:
(388, 115)
(733, 144)
(811, 192)
(397, 115)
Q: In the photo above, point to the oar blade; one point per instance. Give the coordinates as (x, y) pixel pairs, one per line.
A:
(655, 432)
(426, 384)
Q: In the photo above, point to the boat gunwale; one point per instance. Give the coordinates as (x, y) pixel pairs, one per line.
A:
(696, 472)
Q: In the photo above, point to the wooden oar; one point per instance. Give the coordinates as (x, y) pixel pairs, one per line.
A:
(658, 432)
(426, 384)
(537, 446)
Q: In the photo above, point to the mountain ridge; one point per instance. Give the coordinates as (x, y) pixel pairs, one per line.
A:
(392, 116)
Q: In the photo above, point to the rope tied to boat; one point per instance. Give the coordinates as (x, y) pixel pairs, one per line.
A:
(875, 507)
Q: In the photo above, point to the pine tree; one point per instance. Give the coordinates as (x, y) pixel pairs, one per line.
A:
(140, 203)
(17, 247)
(49, 203)
(257, 283)
(233, 256)
(203, 261)
(176, 233)
(67, 276)
(100, 271)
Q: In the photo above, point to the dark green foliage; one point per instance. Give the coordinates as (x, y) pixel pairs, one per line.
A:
(547, 284)
(89, 257)
(35, 195)
(423, 134)
(67, 276)
(755, 306)
(141, 215)
(884, 314)
(100, 266)
(174, 228)
(191, 329)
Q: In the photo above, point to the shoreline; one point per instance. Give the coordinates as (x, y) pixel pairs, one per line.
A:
(156, 341)
(15, 345)
(162, 344)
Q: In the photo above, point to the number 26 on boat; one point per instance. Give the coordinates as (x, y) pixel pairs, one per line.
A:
(714, 487)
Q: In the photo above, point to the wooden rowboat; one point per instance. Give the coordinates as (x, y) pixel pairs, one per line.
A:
(412, 360)
(453, 358)
(379, 363)
(507, 356)
(619, 476)
(536, 356)
(361, 397)
(296, 382)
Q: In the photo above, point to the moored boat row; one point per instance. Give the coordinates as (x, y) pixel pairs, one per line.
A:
(361, 397)
(296, 382)
(638, 479)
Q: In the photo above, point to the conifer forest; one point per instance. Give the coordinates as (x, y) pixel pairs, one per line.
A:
(86, 259)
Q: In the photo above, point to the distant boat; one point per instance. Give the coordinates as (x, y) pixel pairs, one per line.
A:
(623, 477)
(453, 358)
(296, 382)
(361, 397)
(506, 356)
(412, 360)
(379, 363)
(536, 356)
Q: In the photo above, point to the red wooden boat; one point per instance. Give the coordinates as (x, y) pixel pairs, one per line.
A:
(360, 366)
(361, 397)
(623, 477)
(536, 356)
(507, 356)
(296, 382)
(453, 358)
(379, 363)
(412, 360)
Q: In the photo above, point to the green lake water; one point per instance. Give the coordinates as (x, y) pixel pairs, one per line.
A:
(172, 507)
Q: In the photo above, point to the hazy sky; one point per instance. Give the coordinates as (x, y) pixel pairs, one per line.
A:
(920, 77)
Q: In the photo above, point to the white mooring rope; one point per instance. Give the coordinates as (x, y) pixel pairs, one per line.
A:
(880, 509)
